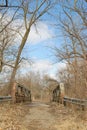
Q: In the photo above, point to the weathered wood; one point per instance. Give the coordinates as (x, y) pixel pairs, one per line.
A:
(20, 93)
(81, 102)
(58, 94)
(5, 98)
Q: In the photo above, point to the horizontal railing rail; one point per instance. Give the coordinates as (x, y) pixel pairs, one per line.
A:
(5, 98)
(81, 102)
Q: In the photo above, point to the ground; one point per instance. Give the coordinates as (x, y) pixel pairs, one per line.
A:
(41, 116)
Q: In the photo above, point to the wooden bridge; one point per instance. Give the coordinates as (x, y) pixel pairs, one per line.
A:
(59, 97)
(19, 94)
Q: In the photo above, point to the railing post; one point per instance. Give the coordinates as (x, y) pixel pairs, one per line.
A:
(64, 103)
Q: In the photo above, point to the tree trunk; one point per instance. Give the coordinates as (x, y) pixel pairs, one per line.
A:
(12, 79)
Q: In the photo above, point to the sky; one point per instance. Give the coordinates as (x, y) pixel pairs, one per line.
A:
(38, 47)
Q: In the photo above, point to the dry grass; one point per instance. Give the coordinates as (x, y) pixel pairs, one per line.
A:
(69, 119)
(18, 117)
(11, 116)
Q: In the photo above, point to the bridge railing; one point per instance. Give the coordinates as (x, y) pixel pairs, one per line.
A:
(20, 93)
(5, 98)
(80, 102)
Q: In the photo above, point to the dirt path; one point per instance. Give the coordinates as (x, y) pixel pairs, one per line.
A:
(47, 117)
(40, 118)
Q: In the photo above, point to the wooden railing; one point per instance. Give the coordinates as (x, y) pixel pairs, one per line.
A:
(80, 102)
(20, 93)
(5, 98)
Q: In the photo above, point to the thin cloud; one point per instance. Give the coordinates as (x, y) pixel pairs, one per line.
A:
(44, 67)
(39, 32)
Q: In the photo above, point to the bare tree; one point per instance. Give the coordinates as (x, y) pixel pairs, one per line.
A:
(32, 11)
(32, 81)
(74, 27)
(6, 35)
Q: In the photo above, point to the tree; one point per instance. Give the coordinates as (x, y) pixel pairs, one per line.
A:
(6, 35)
(32, 81)
(74, 29)
(31, 11)
(49, 85)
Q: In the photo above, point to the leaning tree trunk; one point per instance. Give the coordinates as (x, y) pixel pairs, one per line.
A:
(12, 79)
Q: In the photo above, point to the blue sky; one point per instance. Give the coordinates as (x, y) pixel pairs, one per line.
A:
(41, 38)
(39, 50)
(39, 42)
